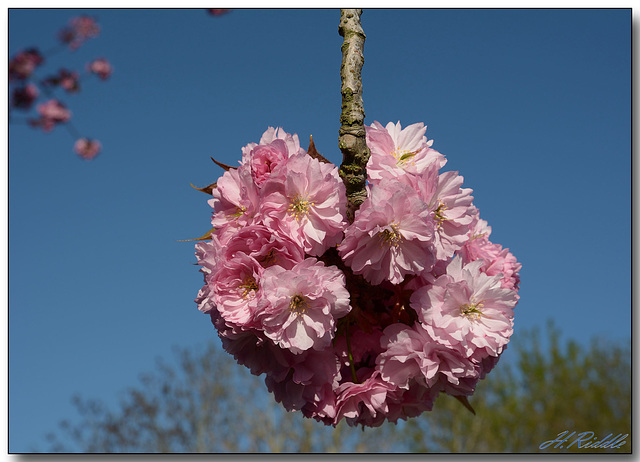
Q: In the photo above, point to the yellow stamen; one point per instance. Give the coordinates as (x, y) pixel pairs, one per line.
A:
(269, 259)
(472, 311)
(439, 218)
(299, 206)
(298, 304)
(391, 236)
(249, 285)
(239, 211)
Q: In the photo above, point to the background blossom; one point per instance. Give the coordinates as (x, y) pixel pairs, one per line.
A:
(52, 112)
(87, 148)
(100, 67)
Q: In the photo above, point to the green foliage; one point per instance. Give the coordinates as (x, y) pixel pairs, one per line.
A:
(207, 403)
(551, 388)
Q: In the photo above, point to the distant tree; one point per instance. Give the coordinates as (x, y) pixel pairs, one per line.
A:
(207, 403)
(562, 386)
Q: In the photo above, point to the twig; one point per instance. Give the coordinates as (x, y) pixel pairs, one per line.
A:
(352, 136)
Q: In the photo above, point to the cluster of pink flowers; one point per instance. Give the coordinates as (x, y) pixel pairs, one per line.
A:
(79, 30)
(26, 87)
(66, 79)
(23, 97)
(52, 112)
(365, 321)
(24, 63)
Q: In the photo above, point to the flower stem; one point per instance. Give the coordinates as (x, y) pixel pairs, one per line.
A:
(352, 135)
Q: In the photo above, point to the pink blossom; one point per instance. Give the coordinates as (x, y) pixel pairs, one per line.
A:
(467, 310)
(309, 383)
(55, 110)
(410, 403)
(237, 288)
(51, 112)
(24, 63)
(267, 247)
(101, 67)
(251, 348)
(68, 80)
(209, 253)
(496, 260)
(87, 148)
(321, 403)
(396, 151)
(292, 141)
(412, 354)
(451, 208)
(306, 202)
(300, 306)
(79, 30)
(315, 367)
(287, 392)
(235, 202)
(23, 97)
(203, 300)
(391, 236)
(265, 158)
(364, 403)
(207, 256)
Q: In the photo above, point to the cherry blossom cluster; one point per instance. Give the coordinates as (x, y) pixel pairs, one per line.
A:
(366, 321)
(26, 87)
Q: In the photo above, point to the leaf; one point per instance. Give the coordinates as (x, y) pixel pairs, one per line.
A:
(465, 403)
(225, 167)
(204, 237)
(313, 152)
(207, 189)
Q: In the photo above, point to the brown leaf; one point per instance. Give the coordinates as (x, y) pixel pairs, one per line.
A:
(313, 152)
(204, 237)
(465, 403)
(225, 167)
(207, 189)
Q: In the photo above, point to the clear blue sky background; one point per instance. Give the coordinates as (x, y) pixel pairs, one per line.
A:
(533, 107)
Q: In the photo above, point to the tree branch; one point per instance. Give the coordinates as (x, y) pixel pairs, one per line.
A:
(352, 136)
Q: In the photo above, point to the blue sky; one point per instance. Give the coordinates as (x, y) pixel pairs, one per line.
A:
(532, 107)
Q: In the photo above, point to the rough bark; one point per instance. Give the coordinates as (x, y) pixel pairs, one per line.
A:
(352, 138)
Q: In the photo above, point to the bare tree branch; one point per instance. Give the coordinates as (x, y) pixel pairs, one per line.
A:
(352, 136)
